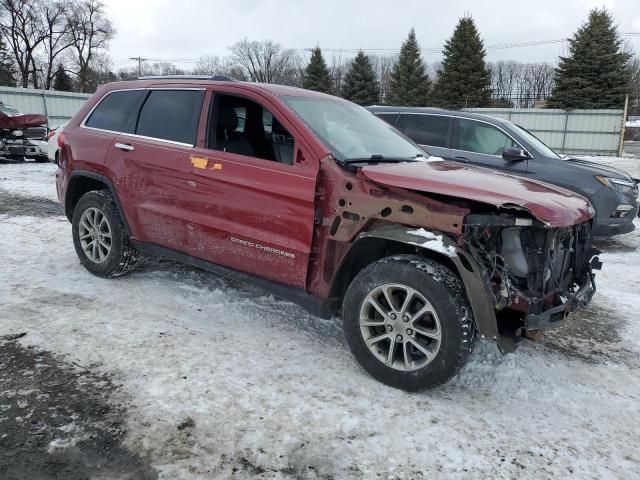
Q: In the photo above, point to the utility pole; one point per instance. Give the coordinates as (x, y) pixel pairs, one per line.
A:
(624, 123)
(139, 60)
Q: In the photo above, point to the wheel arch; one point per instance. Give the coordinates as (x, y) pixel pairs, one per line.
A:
(393, 240)
(84, 181)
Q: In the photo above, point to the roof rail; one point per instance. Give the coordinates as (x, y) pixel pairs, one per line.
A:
(220, 78)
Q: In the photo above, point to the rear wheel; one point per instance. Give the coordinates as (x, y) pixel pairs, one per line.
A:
(408, 322)
(100, 237)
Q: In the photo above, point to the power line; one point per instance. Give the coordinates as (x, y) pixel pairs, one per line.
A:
(497, 46)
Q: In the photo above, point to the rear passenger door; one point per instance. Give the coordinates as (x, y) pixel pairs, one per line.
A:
(253, 189)
(482, 143)
(431, 132)
(153, 165)
(115, 113)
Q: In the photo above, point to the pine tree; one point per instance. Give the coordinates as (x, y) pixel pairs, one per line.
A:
(360, 83)
(62, 80)
(7, 68)
(464, 79)
(316, 75)
(409, 82)
(595, 74)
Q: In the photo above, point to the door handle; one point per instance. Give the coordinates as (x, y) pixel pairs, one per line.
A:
(124, 146)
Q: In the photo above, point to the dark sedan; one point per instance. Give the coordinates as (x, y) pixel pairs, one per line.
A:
(502, 145)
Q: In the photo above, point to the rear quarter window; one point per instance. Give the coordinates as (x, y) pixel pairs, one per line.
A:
(116, 111)
(429, 130)
(171, 115)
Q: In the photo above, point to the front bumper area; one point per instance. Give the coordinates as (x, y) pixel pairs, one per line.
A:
(604, 230)
(20, 150)
(555, 315)
(535, 276)
(608, 221)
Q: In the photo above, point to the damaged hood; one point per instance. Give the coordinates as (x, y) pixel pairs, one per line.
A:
(21, 121)
(552, 205)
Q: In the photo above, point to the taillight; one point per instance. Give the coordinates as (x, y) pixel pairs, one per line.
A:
(61, 140)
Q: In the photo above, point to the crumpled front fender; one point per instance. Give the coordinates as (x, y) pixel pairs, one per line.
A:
(474, 278)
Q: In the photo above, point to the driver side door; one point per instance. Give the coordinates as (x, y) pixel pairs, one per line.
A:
(480, 143)
(252, 189)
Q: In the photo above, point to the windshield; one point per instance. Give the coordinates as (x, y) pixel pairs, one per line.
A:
(351, 132)
(10, 111)
(534, 141)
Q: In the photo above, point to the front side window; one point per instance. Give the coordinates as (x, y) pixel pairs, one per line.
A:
(482, 138)
(245, 127)
(171, 115)
(429, 130)
(351, 132)
(116, 111)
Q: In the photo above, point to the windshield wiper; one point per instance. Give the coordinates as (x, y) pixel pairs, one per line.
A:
(383, 159)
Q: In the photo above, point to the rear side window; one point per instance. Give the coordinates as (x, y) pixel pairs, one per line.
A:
(390, 118)
(427, 129)
(116, 111)
(171, 115)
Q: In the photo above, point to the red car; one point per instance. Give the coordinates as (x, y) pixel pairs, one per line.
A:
(319, 201)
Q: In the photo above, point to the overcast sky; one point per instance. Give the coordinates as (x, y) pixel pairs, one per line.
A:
(182, 30)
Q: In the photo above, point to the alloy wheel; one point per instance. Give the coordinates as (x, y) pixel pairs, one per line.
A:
(94, 232)
(400, 327)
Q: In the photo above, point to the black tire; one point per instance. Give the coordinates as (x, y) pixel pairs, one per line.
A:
(444, 290)
(42, 159)
(122, 257)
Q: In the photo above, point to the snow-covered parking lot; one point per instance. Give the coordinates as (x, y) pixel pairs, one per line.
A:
(175, 373)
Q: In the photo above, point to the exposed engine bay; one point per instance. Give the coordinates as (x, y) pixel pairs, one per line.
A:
(537, 274)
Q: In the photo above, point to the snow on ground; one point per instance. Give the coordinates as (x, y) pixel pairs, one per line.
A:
(29, 178)
(264, 389)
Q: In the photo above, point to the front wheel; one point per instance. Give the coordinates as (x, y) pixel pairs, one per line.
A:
(408, 322)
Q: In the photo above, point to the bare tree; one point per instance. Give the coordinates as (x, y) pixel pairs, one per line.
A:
(22, 27)
(214, 65)
(539, 79)
(337, 69)
(54, 16)
(165, 68)
(505, 76)
(634, 85)
(382, 66)
(90, 31)
(151, 69)
(266, 61)
(520, 85)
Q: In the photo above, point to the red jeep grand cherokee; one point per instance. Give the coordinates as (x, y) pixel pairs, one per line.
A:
(321, 202)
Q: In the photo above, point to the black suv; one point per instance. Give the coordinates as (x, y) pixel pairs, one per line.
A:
(500, 144)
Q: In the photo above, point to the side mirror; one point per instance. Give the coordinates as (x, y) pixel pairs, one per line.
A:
(512, 154)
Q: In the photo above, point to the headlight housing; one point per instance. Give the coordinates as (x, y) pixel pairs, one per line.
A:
(618, 184)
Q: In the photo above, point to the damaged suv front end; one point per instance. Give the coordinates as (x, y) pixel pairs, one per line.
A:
(536, 275)
(522, 248)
